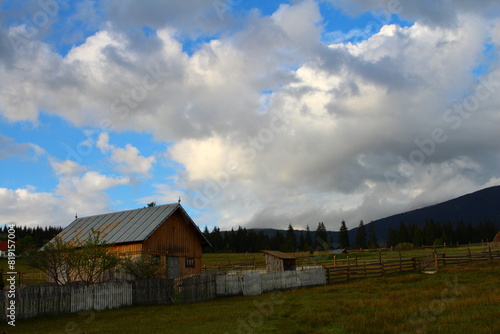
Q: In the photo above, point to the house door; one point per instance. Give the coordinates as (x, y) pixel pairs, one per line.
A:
(173, 266)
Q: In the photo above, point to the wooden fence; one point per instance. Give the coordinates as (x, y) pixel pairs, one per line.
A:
(355, 268)
(197, 288)
(45, 299)
(257, 282)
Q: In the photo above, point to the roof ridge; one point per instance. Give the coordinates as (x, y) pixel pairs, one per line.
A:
(113, 212)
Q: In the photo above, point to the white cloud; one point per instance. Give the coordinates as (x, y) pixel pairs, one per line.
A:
(66, 168)
(128, 160)
(82, 194)
(352, 110)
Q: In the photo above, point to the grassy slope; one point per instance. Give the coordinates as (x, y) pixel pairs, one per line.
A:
(456, 300)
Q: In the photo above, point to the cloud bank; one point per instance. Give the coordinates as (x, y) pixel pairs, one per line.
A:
(267, 124)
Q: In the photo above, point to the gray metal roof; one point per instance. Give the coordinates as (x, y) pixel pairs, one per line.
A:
(280, 255)
(125, 226)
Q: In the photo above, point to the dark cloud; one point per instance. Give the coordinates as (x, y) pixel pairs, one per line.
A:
(6, 50)
(192, 17)
(443, 13)
(9, 148)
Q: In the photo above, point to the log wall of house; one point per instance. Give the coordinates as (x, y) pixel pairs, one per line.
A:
(128, 248)
(177, 237)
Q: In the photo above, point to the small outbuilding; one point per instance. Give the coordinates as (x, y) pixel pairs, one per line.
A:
(339, 251)
(279, 261)
(496, 240)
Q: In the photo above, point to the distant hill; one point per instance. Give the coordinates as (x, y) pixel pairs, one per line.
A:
(474, 208)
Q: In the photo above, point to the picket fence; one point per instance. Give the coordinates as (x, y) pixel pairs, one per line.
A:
(43, 299)
(256, 282)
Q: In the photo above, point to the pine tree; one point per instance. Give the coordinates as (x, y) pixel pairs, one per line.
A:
(302, 242)
(361, 235)
(308, 245)
(372, 237)
(392, 237)
(321, 237)
(290, 242)
(417, 238)
(344, 236)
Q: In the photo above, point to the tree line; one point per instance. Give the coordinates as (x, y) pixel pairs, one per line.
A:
(29, 237)
(431, 233)
(243, 240)
(434, 233)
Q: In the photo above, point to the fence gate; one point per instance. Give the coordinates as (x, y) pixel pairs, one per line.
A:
(426, 264)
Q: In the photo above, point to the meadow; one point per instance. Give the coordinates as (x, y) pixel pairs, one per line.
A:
(457, 299)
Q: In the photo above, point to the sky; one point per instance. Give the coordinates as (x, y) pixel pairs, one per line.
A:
(254, 113)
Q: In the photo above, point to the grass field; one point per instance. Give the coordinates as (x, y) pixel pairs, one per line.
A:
(459, 299)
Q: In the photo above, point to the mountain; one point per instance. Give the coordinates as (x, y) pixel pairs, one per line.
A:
(474, 208)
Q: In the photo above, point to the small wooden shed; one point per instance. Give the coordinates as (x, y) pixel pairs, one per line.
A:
(279, 261)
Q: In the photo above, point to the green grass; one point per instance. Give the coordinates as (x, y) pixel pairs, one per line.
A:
(459, 299)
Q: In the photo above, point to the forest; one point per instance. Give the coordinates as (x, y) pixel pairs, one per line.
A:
(431, 233)
(254, 240)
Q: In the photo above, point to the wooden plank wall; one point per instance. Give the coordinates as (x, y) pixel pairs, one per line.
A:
(177, 237)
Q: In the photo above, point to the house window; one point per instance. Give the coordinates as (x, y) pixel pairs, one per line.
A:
(189, 262)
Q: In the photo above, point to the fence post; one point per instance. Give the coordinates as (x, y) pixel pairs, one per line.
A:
(470, 255)
(335, 261)
(382, 270)
(356, 258)
(348, 269)
(400, 263)
(444, 259)
(364, 267)
(436, 261)
(491, 256)
(379, 256)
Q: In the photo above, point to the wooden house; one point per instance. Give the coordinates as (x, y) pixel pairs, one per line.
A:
(278, 261)
(163, 231)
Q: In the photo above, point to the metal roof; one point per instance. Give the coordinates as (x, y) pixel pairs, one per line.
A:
(279, 255)
(125, 226)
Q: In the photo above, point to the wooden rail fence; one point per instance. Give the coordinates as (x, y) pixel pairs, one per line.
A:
(356, 269)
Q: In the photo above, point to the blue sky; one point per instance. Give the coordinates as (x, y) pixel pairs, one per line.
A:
(255, 113)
